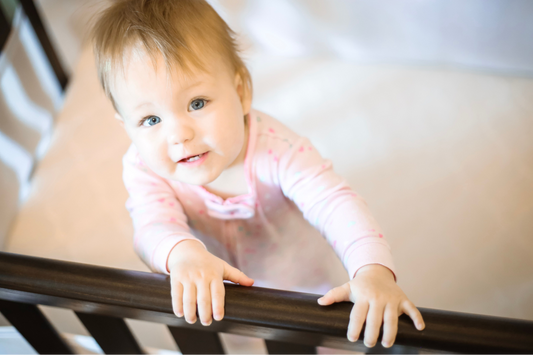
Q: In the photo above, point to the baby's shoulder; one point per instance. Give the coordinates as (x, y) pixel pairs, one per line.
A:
(272, 131)
(132, 163)
(132, 157)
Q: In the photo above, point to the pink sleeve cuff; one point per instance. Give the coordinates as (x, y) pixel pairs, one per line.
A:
(367, 254)
(162, 251)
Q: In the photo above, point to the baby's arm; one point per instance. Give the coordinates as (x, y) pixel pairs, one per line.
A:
(330, 205)
(163, 240)
(158, 218)
(342, 217)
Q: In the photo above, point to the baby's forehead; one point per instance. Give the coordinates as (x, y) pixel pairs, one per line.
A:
(141, 75)
(139, 69)
(139, 63)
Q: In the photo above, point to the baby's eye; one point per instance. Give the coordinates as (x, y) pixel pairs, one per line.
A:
(151, 121)
(197, 104)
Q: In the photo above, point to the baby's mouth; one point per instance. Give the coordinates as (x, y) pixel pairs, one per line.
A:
(191, 158)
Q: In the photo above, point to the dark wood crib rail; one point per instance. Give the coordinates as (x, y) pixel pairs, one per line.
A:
(51, 53)
(34, 17)
(290, 322)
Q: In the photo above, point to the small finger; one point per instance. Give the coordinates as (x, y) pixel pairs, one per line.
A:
(410, 309)
(373, 324)
(189, 303)
(357, 319)
(177, 298)
(237, 276)
(390, 326)
(203, 292)
(218, 293)
(337, 294)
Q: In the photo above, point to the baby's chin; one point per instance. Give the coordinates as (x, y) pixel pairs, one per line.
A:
(198, 178)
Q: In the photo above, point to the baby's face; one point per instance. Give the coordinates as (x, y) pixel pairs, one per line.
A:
(172, 118)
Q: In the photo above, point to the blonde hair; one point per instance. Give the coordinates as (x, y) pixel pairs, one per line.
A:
(186, 33)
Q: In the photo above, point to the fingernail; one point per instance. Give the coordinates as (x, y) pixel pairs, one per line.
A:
(218, 317)
(369, 345)
(385, 344)
(207, 324)
(191, 321)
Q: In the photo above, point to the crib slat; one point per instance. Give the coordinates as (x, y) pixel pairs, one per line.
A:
(278, 347)
(191, 341)
(111, 333)
(5, 29)
(34, 327)
(36, 22)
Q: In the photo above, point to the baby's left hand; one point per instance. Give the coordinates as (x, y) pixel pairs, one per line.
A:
(376, 298)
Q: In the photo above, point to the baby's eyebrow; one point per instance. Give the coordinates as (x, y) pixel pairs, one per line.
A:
(142, 104)
(199, 82)
(185, 89)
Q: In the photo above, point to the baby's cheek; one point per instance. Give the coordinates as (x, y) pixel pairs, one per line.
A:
(157, 160)
(230, 137)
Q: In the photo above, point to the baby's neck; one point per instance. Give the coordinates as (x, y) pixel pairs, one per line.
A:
(232, 181)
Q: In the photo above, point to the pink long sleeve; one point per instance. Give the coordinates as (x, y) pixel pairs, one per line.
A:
(158, 218)
(330, 205)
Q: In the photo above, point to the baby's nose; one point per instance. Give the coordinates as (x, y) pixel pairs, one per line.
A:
(180, 134)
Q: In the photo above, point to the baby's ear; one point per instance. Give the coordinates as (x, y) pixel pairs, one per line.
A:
(244, 93)
(119, 118)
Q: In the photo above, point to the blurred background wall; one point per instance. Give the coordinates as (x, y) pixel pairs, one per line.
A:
(426, 107)
(490, 35)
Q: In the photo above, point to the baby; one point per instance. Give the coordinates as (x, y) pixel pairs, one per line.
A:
(220, 191)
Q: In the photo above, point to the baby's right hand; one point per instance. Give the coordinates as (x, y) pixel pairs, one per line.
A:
(196, 276)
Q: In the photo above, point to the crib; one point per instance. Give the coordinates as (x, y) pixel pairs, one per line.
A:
(45, 263)
(289, 322)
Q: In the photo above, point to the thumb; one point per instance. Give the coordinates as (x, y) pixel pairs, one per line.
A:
(235, 275)
(337, 294)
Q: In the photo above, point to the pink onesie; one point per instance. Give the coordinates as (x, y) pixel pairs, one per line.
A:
(277, 233)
